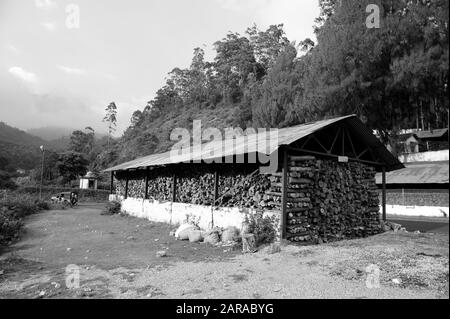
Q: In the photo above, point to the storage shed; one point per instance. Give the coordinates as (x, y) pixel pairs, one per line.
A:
(322, 187)
(89, 181)
(419, 184)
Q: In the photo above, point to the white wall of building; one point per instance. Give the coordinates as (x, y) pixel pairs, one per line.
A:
(435, 156)
(84, 184)
(417, 211)
(178, 213)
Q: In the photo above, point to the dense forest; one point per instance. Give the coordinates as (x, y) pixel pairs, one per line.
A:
(393, 77)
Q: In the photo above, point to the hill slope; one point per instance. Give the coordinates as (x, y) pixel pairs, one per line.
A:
(19, 148)
(13, 135)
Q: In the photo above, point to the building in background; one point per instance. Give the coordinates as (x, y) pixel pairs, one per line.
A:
(423, 141)
(421, 188)
(89, 181)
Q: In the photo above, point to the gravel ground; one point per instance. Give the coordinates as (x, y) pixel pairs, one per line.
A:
(117, 258)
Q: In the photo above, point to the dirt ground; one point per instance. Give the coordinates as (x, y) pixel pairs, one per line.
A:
(116, 256)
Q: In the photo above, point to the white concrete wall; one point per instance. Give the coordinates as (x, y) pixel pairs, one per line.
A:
(84, 184)
(115, 197)
(425, 157)
(178, 213)
(419, 211)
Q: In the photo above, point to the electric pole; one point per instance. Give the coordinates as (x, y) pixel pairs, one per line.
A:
(42, 172)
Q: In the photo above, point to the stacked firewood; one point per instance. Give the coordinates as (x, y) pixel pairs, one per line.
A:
(196, 189)
(159, 188)
(119, 186)
(327, 200)
(244, 190)
(136, 188)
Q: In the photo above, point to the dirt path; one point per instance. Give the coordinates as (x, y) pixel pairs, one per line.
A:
(116, 257)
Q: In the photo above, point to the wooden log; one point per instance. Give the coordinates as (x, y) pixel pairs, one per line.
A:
(301, 158)
(248, 243)
(293, 180)
(301, 169)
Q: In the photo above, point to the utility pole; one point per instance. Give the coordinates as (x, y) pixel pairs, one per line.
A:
(42, 172)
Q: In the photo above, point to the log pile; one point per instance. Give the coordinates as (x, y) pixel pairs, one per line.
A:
(159, 188)
(237, 187)
(196, 188)
(119, 186)
(159, 185)
(327, 200)
(241, 189)
(136, 188)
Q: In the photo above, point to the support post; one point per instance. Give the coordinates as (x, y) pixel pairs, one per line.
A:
(111, 186)
(174, 188)
(126, 186)
(383, 192)
(42, 172)
(216, 186)
(146, 183)
(284, 194)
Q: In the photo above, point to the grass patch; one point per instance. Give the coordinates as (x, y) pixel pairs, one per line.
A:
(14, 207)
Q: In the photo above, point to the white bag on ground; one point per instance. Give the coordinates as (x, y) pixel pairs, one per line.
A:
(195, 236)
(183, 231)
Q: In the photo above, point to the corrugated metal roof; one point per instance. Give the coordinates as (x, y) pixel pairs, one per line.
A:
(418, 173)
(253, 143)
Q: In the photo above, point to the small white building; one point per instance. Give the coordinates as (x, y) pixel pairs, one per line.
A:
(89, 181)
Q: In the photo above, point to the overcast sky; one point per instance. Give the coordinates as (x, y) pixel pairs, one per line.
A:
(53, 73)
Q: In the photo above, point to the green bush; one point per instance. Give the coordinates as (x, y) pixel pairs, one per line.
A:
(262, 227)
(13, 208)
(10, 226)
(112, 208)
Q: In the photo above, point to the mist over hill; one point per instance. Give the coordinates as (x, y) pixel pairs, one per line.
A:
(50, 133)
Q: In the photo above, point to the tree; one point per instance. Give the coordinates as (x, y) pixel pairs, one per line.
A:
(5, 176)
(4, 163)
(268, 45)
(394, 77)
(111, 119)
(278, 93)
(82, 142)
(72, 165)
(51, 171)
(5, 181)
(234, 62)
(105, 156)
(136, 118)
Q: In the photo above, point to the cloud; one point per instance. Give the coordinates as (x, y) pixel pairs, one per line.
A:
(297, 16)
(109, 76)
(49, 26)
(71, 71)
(23, 75)
(42, 4)
(12, 48)
(241, 5)
(51, 103)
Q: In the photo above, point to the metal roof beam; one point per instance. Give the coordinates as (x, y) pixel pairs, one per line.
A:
(334, 156)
